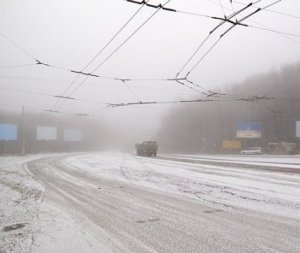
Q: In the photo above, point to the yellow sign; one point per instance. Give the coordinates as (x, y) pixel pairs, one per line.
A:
(232, 144)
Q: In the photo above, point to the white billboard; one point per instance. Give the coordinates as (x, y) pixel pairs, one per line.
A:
(298, 129)
(72, 134)
(45, 133)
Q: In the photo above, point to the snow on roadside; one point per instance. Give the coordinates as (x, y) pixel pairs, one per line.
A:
(266, 191)
(20, 197)
(30, 224)
(60, 233)
(283, 161)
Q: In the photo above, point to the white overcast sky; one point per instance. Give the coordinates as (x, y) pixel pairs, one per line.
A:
(69, 33)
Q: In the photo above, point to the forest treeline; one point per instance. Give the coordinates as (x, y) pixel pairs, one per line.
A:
(202, 127)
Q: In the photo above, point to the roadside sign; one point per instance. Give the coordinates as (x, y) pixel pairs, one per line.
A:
(250, 130)
(230, 144)
(298, 129)
(8, 132)
(46, 133)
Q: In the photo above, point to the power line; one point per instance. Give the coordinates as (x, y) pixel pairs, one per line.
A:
(184, 82)
(128, 38)
(30, 79)
(17, 46)
(49, 95)
(90, 74)
(202, 58)
(159, 6)
(26, 91)
(209, 35)
(281, 34)
(273, 11)
(231, 4)
(132, 92)
(107, 44)
(254, 98)
(118, 48)
(17, 66)
(102, 49)
(274, 31)
(221, 5)
(224, 33)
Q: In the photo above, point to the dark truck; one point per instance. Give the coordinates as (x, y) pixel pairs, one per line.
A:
(147, 148)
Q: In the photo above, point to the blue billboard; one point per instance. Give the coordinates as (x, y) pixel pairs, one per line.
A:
(8, 132)
(248, 130)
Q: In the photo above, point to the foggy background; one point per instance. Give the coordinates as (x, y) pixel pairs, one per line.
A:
(68, 34)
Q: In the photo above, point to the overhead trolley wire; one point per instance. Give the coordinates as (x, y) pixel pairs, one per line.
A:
(26, 91)
(209, 35)
(106, 45)
(232, 8)
(159, 6)
(49, 95)
(249, 15)
(132, 92)
(82, 72)
(90, 74)
(221, 5)
(183, 81)
(181, 11)
(274, 31)
(101, 50)
(254, 98)
(273, 11)
(118, 48)
(284, 35)
(128, 38)
(17, 46)
(37, 62)
(223, 34)
(17, 66)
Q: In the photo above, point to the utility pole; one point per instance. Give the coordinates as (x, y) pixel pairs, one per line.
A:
(23, 131)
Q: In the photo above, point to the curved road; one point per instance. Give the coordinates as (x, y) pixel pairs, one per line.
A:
(130, 217)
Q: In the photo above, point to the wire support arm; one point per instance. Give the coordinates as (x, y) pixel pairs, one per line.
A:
(254, 98)
(84, 73)
(159, 6)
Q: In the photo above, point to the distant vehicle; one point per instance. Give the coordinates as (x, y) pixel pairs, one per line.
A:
(252, 151)
(147, 148)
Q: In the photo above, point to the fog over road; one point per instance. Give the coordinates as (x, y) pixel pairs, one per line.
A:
(136, 204)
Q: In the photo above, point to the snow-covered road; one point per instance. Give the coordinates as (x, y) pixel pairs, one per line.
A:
(116, 202)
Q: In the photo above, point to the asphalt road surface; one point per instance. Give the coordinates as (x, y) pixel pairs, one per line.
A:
(130, 217)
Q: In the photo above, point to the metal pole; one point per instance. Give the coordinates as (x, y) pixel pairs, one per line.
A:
(23, 131)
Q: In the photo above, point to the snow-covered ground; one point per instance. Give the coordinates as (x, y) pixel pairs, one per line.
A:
(97, 202)
(29, 223)
(284, 161)
(270, 192)
(19, 205)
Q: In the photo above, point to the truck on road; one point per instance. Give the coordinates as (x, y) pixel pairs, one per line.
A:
(147, 148)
